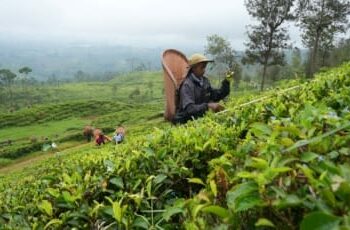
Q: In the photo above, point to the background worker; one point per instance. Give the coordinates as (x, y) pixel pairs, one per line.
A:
(88, 132)
(100, 138)
(196, 95)
(119, 135)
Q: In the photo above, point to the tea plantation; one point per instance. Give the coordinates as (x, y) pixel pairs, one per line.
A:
(281, 162)
(64, 111)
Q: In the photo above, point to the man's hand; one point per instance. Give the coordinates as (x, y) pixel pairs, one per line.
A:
(215, 107)
(229, 75)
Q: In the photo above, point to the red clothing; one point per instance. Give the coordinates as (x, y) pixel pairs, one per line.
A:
(100, 140)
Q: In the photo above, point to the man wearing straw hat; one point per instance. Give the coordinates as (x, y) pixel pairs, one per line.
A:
(196, 95)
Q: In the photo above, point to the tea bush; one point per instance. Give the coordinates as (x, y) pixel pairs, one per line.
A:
(280, 162)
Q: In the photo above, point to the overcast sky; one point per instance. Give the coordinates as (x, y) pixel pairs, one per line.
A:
(149, 23)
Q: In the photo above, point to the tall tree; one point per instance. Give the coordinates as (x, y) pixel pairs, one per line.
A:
(26, 70)
(80, 76)
(297, 63)
(267, 39)
(222, 52)
(320, 21)
(7, 77)
(341, 52)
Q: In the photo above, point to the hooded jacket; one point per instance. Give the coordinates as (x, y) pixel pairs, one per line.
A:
(194, 96)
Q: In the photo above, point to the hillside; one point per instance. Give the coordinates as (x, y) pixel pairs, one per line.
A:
(121, 88)
(282, 161)
(63, 111)
(64, 60)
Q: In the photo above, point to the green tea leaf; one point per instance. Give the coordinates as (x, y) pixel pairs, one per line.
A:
(319, 221)
(170, 211)
(245, 174)
(159, 178)
(264, 222)
(260, 129)
(117, 211)
(137, 198)
(141, 223)
(52, 222)
(117, 181)
(195, 181)
(213, 187)
(308, 156)
(243, 197)
(217, 210)
(196, 209)
(66, 178)
(68, 197)
(53, 192)
(259, 163)
(288, 201)
(287, 142)
(46, 207)
(280, 170)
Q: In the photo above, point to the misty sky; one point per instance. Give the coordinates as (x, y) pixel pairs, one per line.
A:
(149, 23)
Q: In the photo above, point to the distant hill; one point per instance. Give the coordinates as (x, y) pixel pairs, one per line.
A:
(63, 61)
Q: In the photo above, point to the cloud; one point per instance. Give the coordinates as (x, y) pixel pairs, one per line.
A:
(148, 22)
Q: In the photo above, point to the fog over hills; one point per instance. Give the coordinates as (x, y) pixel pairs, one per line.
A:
(64, 60)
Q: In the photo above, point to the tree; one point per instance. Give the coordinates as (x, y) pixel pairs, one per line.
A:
(53, 80)
(24, 80)
(220, 49)
(267, 39)
(7, 77)
(81, 76)
(114, 89)
(2, 93)
(247, 77)
(320, 21)
(134, 93)
(150, 86)
(340, 53)
(141, 67)
(131, 62)
(26, 70)
(297, 65)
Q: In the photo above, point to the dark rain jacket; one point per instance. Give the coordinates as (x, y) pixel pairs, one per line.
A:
(194, 96)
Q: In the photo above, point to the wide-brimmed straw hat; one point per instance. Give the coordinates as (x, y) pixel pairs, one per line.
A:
(198, 58)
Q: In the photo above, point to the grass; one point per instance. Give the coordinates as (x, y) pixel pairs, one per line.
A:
(59, 113)
(36, 157)
(119, 89)
(48, 129)
(101, 104)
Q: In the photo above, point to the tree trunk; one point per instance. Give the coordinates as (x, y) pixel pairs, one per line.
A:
(324, 55)
(263, 77)
(11, 96)
(313, 56)
(315, 53)
(267, 55)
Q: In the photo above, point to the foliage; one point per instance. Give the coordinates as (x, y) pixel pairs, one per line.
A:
(320, 21)
(26, 130)
(280, 162)
(340, 54)
(7, 78)
(59, 111)
(268, 37)
(222, 52)
(59, 91)
(26, 70)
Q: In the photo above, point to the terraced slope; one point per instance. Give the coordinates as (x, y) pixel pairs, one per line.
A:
(279, 162)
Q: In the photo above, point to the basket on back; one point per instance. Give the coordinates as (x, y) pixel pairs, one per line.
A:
(175, 66)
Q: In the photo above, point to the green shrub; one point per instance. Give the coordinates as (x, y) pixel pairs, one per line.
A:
(282, 162)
